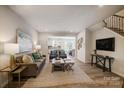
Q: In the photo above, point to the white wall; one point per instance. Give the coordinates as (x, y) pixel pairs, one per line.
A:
(81, 52)
(9, 22)
(118, 54)
(4, 61)
(88, 46)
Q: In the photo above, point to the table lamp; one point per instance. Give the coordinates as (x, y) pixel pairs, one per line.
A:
(11, 49)
(37, 48)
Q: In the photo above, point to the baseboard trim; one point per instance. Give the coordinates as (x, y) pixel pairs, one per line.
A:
(80, 60)
(86, 62)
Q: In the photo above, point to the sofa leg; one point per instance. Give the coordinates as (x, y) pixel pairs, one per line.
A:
(34, 76)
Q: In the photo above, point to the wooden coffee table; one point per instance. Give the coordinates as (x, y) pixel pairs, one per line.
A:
(58, 63)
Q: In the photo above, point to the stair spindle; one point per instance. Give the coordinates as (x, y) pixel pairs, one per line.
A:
(115, 23)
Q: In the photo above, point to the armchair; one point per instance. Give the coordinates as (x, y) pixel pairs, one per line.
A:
(62, 54)
(53, 54)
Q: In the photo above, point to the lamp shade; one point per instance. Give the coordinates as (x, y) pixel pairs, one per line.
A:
(38, 47)
(11, 48)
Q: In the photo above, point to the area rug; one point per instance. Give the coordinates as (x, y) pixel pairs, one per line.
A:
(58, 78)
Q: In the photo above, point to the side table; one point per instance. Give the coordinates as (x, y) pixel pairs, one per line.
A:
(18, 72)
(8, 70)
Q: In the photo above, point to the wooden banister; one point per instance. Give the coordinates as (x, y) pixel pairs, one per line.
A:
(115, 23)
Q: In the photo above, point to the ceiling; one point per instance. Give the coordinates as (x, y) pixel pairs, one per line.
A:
(63, 18)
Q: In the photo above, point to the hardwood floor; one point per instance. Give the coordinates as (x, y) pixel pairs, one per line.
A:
(100, 78)
(83, 76)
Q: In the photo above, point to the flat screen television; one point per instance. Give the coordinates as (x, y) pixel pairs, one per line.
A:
(107, 44)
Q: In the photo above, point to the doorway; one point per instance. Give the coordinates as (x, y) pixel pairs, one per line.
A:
(64, 43)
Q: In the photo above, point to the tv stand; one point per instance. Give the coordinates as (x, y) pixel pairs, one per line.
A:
(103, 60)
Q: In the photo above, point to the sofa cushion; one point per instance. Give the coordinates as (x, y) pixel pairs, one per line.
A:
(38, 64)
(39, 60)
(19, 59)
(27, 59)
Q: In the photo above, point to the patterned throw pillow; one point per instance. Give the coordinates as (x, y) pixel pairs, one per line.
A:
(40, 55)
(36, 56)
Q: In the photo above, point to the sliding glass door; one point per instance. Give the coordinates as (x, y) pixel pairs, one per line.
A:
(65, 43)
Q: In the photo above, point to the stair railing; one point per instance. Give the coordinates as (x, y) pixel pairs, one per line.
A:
(115, 23)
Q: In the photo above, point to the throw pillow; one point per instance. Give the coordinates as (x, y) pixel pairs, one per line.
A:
(36, 55)
(27, 59)
(40, 55)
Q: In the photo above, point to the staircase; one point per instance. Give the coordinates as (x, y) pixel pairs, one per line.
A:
(115, 23)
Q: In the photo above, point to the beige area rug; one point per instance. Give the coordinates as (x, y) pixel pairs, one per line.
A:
(48, 79)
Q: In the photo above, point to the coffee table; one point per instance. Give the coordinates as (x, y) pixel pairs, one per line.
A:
(58, 64)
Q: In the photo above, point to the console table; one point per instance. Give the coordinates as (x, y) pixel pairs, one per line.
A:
(18, 72)
(8, 69)
(103, 60)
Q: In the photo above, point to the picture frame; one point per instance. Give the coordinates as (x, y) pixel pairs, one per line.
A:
(24, 40)
(79, 43)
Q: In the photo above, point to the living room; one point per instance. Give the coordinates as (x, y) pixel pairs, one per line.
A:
(32, 28)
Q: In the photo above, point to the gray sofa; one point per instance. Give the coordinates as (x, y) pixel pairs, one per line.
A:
(32, 69)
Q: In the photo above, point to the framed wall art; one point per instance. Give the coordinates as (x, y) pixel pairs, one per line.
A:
(79, 43)
(25, 41)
